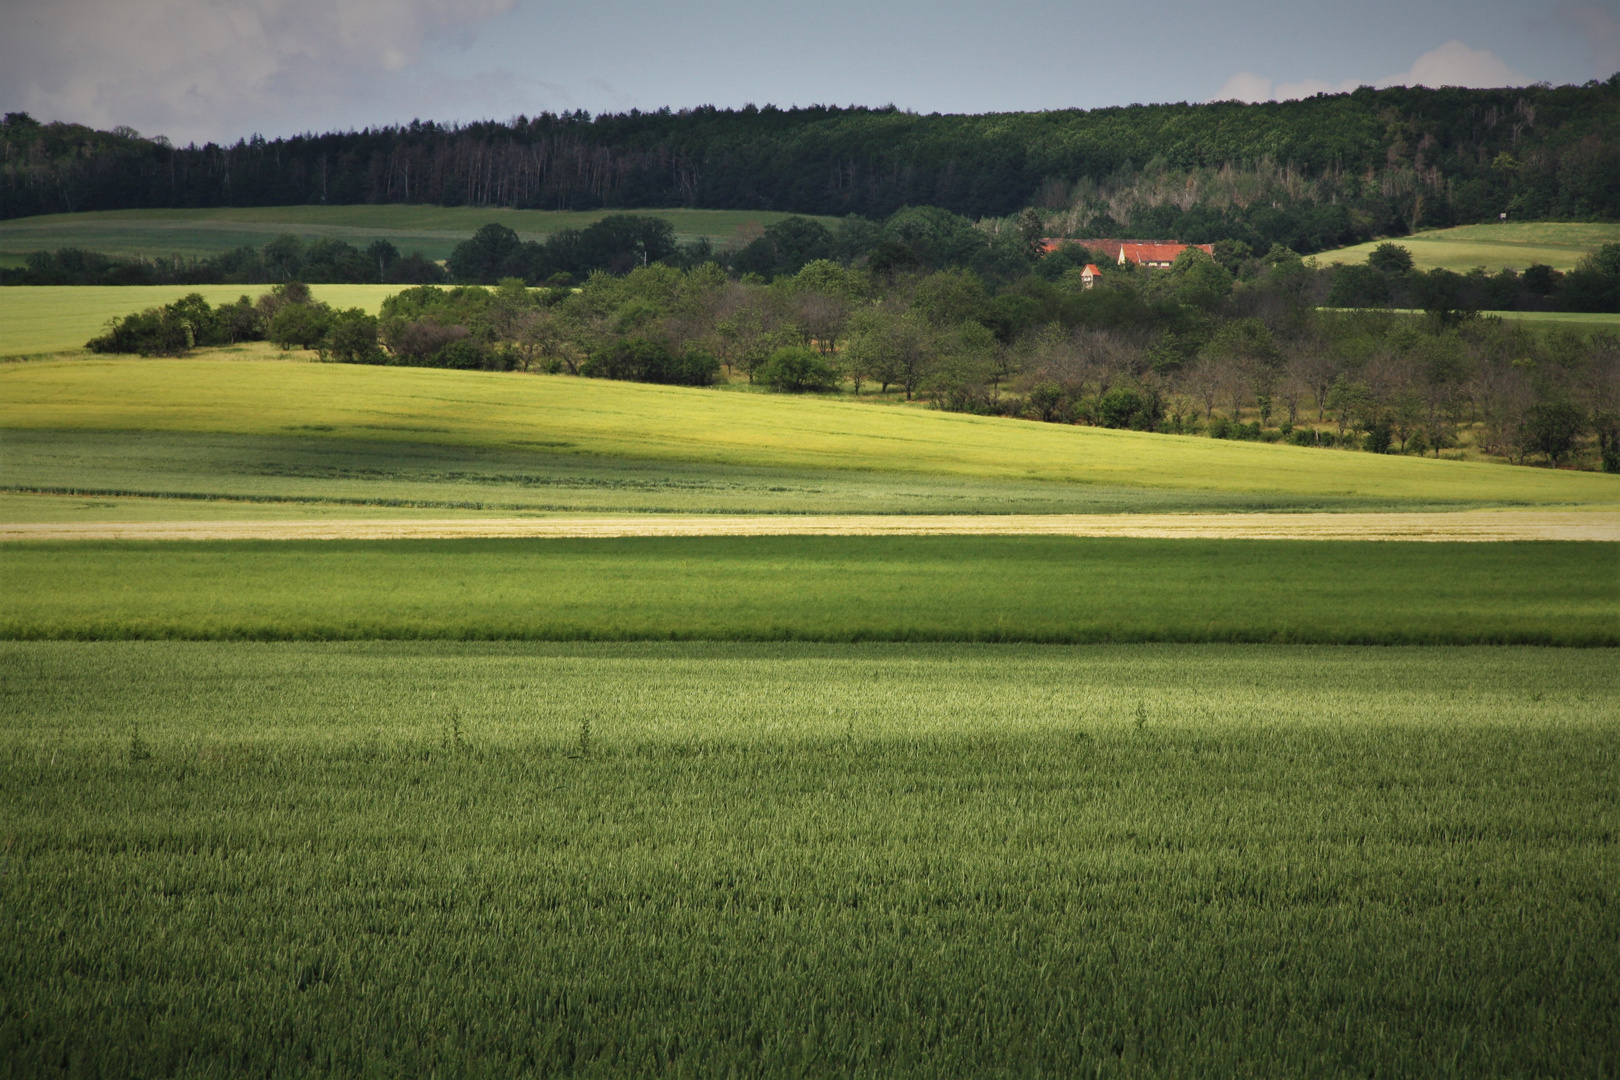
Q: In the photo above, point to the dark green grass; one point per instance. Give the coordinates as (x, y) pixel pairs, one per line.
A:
(798, 860)
(1034, 589)
(554, 478)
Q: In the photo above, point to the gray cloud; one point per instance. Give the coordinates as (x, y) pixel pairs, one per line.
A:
(199, 69)
(1452, 64)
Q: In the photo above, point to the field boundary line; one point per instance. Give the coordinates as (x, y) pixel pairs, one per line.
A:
(1475, 526)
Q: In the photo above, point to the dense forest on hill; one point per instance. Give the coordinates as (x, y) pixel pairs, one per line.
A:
(1310, 174)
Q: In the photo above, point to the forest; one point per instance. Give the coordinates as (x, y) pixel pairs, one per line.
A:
(1310, 174)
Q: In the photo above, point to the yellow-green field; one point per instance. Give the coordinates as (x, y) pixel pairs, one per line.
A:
(1557, 244)
(432, 230)
(560, 415)
(58, 318)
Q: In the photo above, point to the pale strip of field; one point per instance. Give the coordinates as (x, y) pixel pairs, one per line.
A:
(1517, 244)
(60, 318)
(1467, 526)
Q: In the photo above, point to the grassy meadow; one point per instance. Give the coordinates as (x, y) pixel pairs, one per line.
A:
(432, 230)
(37, 319)
(817, 588)
(707, 860)
(563, 416)
(1559, 245)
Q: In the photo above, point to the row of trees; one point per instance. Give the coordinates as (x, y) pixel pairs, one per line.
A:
(286, 258)
(1308, 174)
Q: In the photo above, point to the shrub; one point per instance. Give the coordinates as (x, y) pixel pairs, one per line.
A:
(796, 369)
(1048, 402)
(644, 360)
(416, 343)
(352, 338)
(1121, 407)
(153, 332)
(303, 325)
(462, 355)
(174, 329)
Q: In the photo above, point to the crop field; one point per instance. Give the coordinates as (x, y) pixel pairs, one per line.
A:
(432, 230)
(572, 418)
(818, 588)
(1557, 244)
(118, 476)
(38, 319)
(680, 860)
(779, 805)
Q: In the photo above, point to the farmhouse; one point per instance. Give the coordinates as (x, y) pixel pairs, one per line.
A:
(1088, 276)
(1141, 252)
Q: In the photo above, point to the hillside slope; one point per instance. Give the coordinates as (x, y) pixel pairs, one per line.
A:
(560, 415)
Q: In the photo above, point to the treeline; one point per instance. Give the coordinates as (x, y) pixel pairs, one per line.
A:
(1309, 174)
(1387, 280)
(286, 258)
(1243, 351)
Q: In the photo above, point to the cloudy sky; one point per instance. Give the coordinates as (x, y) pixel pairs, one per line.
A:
(221, 69)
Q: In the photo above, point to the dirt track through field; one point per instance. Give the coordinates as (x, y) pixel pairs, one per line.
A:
(1472, 526)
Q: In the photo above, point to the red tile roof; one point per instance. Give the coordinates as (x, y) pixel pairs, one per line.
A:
(1158, 253)
(1138, 251)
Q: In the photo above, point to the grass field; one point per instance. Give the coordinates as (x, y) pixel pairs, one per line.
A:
(571, 417)
(178, 475)
(49, 318)
(817, 588)
(391, 859)
(432, 230)
(1557, 244)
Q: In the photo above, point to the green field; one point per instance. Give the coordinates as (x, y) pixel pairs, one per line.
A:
(559, 416)
(807, 861)
(1557, 244)
(945, 588)
(145, 475)
(38, 319)
(432, 230)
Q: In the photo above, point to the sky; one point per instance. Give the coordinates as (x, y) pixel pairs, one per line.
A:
(201, 70)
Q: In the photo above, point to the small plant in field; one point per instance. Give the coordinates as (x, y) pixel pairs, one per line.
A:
(139, 749)
(585, 736)
(455, 739)
(1141, 716)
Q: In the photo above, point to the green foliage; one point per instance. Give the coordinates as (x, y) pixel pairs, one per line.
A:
(1390, 259)
(1552, 429)
(302, 326)
(645, 360)
(1310, 174)
(176, 328)
(795, 370)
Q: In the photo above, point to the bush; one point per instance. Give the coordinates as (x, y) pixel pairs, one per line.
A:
(462, 355)
(303, 325)
(153, 332)
(175, 329)
(352, 338)
(643, 360)
(1121, 407)
(796, 369)
(415, 343)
